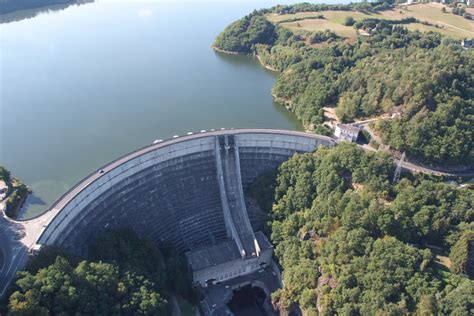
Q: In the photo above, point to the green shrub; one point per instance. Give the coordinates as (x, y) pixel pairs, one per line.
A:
(349, 21)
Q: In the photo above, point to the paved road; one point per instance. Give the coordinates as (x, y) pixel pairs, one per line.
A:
(413, 167)
(15, 253)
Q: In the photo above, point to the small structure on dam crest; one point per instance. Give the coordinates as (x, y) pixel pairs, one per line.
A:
(187, 190)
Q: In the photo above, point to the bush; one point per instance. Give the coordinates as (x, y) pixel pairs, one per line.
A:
(462, 255)
(322, 36)
(458, 11)
(15, 199)
(349, 21)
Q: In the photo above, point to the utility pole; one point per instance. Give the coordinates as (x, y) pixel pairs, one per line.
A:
(398, 171)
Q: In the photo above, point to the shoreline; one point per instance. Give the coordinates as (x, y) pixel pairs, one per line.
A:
(220, 50)
(13, 209)
(265, 65)
(288, 104)
(19, 207)
(14, 214)
(21, 210)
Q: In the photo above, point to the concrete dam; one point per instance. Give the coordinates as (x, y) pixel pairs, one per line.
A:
(188, 190)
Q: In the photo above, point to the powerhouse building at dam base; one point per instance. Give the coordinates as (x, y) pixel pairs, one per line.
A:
(188, 190)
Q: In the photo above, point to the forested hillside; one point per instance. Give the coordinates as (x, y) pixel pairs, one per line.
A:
(350, 242)
(7, 6)
(122, 275)
(427, 79)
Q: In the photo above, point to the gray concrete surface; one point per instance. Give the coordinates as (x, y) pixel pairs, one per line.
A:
(168, 190)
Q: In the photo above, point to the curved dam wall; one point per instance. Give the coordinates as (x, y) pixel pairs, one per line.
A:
(169, 190)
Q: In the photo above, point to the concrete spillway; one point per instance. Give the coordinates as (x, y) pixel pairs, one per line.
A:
(170, 191)
(233, 203)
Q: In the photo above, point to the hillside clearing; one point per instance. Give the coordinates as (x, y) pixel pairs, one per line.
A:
(445, 23)
(313, 25)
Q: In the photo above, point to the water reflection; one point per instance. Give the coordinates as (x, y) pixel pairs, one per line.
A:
(244, 61)
(14, 10)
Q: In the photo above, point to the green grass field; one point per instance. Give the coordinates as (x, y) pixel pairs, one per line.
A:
(448, 23)
(319, 25)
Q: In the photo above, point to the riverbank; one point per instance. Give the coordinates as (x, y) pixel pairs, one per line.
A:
(217, 49)
(266, 66)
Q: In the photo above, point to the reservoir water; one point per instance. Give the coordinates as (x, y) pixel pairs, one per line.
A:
(82, 85)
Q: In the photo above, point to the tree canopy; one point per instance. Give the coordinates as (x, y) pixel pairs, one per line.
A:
(123, 274)
(88, 288)
(425, 78)
(352, 242)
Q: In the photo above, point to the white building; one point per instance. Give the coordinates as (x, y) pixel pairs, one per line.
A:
(347, 132)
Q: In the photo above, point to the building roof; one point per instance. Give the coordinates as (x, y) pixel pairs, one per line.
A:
(349, 128)
(213, 255)
(222, 252)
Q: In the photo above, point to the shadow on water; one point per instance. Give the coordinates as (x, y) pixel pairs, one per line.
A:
(242, 60)
(31, 200)
(14, 10)
(248, 301)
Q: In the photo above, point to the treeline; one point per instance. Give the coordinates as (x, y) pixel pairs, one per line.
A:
(15, 199)
(351, 242)
(423, 76)
(7, 6)
(313, 7)
(16, 193)
(242, 35)
(122, 275)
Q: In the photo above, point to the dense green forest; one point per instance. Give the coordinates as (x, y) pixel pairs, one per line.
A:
(122, 275)
(7, 6)
(351, 242)
(426, 78)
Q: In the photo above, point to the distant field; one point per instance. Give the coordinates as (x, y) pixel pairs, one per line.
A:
(449, 24)
(320, 25)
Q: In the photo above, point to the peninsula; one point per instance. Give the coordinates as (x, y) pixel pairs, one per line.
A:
(407, 82)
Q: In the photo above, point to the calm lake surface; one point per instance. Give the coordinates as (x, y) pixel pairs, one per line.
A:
(81, 86)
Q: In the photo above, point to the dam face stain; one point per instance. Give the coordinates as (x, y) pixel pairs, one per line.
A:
(248, 301)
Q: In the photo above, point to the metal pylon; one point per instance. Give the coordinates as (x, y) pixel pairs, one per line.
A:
(398, 171)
